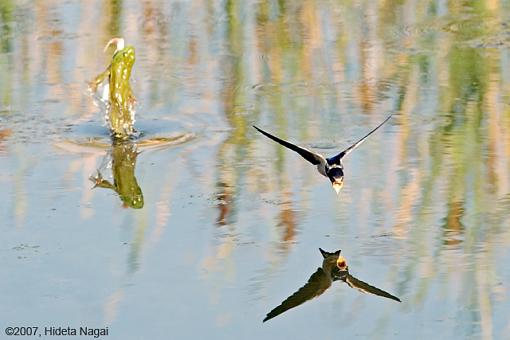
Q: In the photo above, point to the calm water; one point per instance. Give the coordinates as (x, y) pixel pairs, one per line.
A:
(231, 222)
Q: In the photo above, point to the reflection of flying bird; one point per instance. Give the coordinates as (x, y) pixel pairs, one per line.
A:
(317, 284)
(330, 167)
(334, 268)
(343, 275)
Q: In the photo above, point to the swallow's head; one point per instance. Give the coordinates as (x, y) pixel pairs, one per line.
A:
(336, 176)
(326, 254)
(341, 263)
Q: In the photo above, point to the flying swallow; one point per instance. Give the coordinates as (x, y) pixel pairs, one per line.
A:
(329, 167)
(334, 268)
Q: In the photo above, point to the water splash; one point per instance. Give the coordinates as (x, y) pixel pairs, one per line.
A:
(116, 93)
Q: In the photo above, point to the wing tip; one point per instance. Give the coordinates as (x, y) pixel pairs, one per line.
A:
(394, 298)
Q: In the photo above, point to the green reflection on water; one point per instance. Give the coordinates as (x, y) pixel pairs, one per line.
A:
(6, 16)
(123, 158)
(113, 13)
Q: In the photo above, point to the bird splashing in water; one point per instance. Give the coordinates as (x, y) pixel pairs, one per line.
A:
(116, 90)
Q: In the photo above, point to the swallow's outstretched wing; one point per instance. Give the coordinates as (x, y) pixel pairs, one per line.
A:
(336, 159)
(316, 285)
(310, 156)
(366, 288)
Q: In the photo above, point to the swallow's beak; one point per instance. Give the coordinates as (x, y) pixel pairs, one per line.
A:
(341, 263)
(337, 185)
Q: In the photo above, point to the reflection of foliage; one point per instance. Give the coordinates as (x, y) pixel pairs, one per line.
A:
(114, 11)
(234, 148)
(224, 198)
(460, 172)
(6, 16)
(4, 133)
(123, 157)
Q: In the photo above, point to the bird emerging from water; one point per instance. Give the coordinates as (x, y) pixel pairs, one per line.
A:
(334, 268)
(329, 167)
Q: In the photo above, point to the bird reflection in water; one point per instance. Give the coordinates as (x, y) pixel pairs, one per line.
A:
(334, 268)
(123, 162)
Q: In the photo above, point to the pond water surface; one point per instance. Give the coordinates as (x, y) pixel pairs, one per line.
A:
(225, 223)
